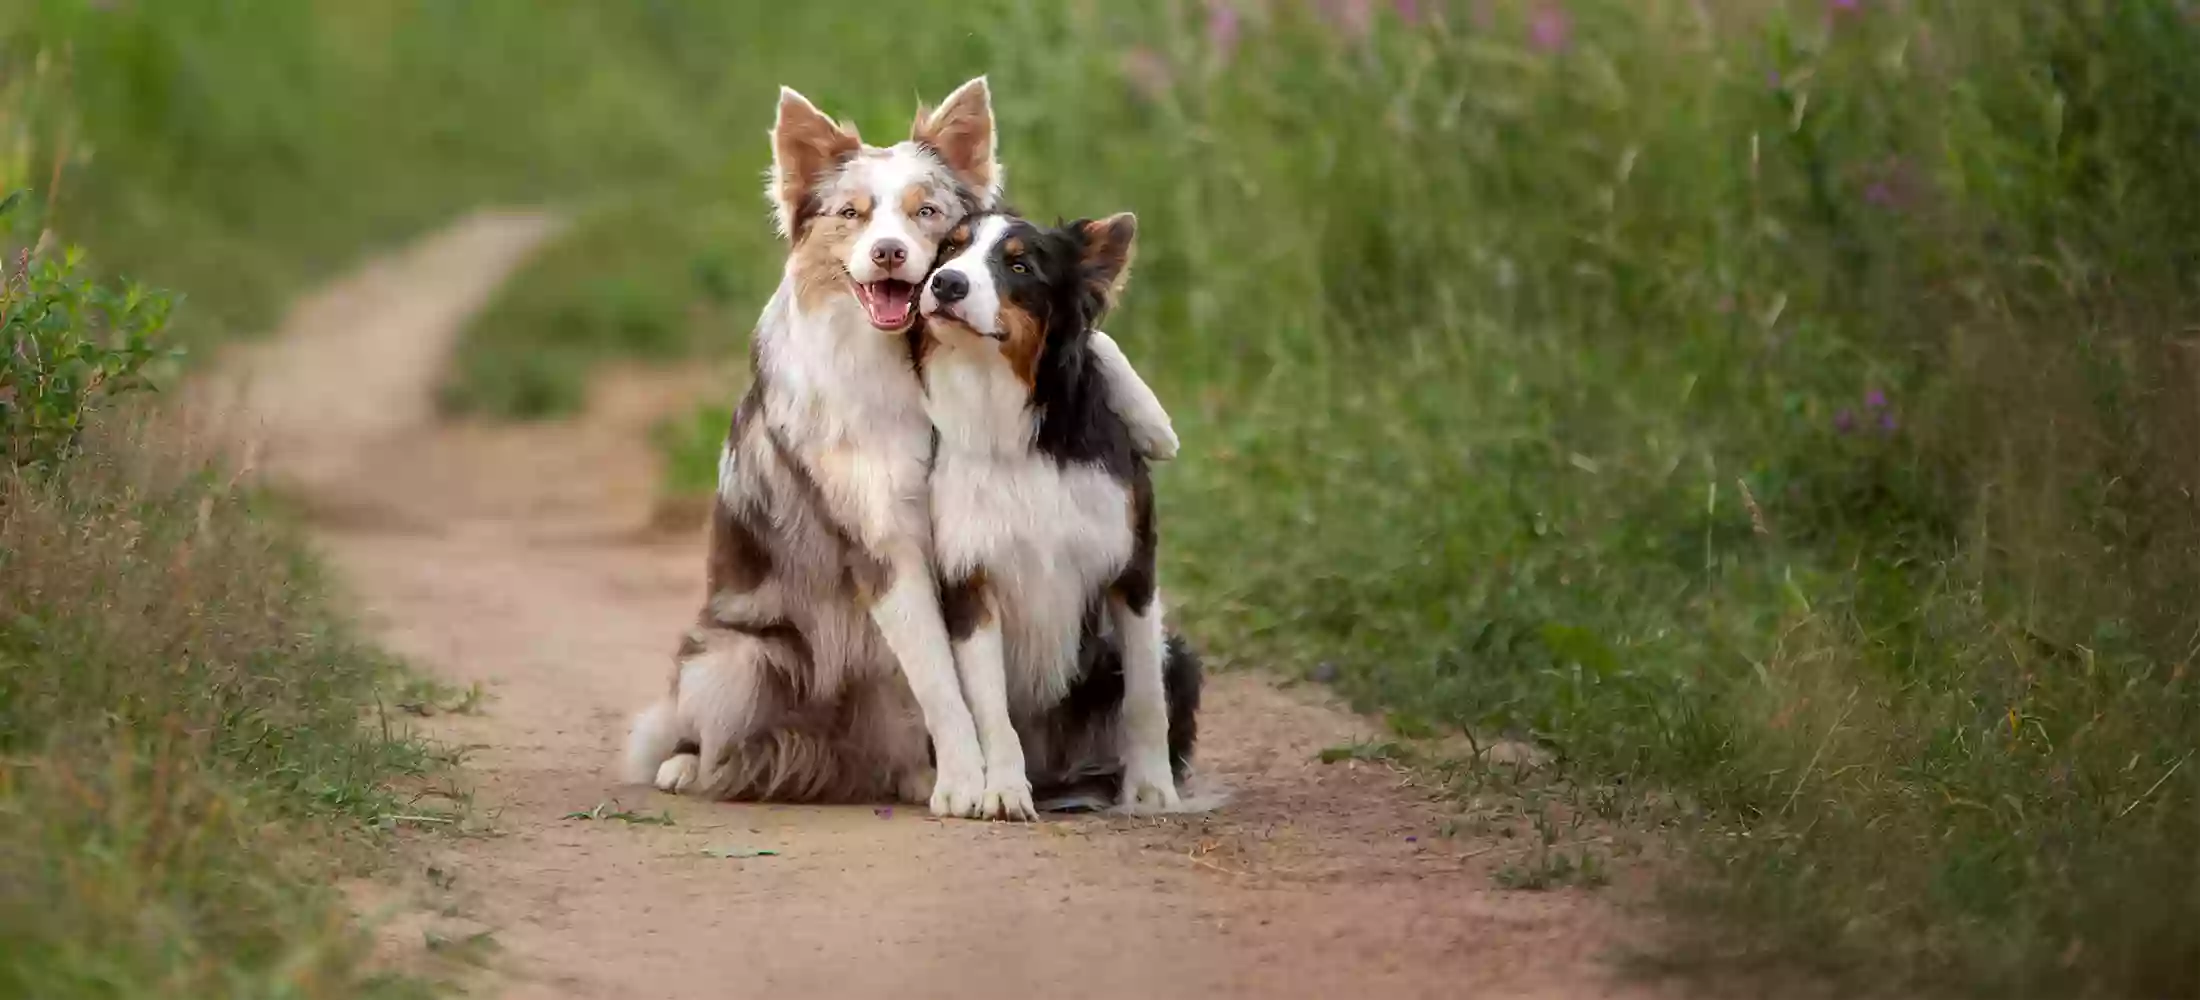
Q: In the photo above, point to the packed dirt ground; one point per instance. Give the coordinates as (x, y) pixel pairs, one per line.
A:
(537, 562)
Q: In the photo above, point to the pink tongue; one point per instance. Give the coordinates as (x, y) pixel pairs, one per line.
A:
(888, 303)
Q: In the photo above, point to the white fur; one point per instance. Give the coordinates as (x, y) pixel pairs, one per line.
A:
(1134, 401)
(846, 400)
(884, 180)
(1052, 536)
(655, 733)
(981, 309)
(978, 659)
(1147, 780)
(679, 773)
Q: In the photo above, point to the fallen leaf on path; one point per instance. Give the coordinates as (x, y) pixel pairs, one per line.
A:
(740, 852)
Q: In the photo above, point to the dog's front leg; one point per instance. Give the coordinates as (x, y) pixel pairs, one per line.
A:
(1144, 729)
(1134, 401)
(974, 627)
(908, 618)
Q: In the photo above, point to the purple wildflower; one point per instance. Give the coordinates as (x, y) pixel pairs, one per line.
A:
(1772, 79)
(1875, 400)
(1844, 422)
(1409, 11)
(1888, 424)
(1550, 28)
(1355, 17)
(1222, 27)
(1840, 6)
(1894, 185)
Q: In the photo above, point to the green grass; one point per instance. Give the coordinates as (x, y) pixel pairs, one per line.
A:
(1775, 405)
(191, 741)
(193, 745)
(1781, 405)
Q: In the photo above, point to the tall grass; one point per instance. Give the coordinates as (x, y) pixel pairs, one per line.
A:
(1780, 403)
(1783, 405)
(188, 747)
(184, 762)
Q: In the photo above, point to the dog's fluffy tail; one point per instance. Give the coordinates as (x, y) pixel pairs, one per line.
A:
(653, 740)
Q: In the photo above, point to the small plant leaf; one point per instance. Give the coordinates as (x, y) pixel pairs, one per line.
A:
(739, 852)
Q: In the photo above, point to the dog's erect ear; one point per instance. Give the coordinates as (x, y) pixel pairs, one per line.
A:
(805, 146)
(961, 132)
(1104, 258)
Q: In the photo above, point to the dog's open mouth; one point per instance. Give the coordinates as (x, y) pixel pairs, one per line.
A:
(890, 303)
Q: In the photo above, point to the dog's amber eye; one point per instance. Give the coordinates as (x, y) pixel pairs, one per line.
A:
(849, 212)
(1019, 268)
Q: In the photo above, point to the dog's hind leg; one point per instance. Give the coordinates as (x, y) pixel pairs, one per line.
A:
(725, 691)
(1181, 680)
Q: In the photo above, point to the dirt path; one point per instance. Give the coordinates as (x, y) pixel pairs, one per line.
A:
(518, 558)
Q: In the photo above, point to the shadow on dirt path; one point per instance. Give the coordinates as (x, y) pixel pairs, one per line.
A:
(519, 558)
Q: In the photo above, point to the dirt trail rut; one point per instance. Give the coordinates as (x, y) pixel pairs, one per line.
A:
(519, 558)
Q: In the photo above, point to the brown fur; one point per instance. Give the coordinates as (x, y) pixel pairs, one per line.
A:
(808, 144)
(965, 605)
(787, 689)
(1110, 244)
(1026, 341)
(818, 255)
(961, 132)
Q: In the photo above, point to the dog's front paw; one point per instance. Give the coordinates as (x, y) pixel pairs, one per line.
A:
(1149, 788)
(1155, 441)
(1008, 797)
(678, 774)
(958, 792)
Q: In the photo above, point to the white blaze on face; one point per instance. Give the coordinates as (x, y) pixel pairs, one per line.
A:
(907, 200)
(980, 308)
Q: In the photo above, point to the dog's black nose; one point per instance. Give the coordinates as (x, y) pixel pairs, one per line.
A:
(889, 253)
(950, 286)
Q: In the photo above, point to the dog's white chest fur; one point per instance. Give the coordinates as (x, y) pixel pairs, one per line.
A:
(850, 403)
(1048, 536)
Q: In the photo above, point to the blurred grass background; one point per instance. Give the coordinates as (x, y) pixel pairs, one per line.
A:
(1783, 405)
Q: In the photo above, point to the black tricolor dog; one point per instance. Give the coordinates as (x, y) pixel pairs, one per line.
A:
(1043, 517)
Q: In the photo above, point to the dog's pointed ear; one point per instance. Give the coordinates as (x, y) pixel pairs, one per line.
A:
(806, 144)
(961, 132)
(1104, 257)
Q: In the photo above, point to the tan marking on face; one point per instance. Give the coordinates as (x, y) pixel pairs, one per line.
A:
(933, 192)
(1013, 247)
(1025, 342)
(820, 259)
(961, 235)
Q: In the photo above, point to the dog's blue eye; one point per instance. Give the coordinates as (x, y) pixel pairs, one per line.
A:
(927, 212)
(849, 212)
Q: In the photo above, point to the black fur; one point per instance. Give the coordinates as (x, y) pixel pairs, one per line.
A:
(1068, 294)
